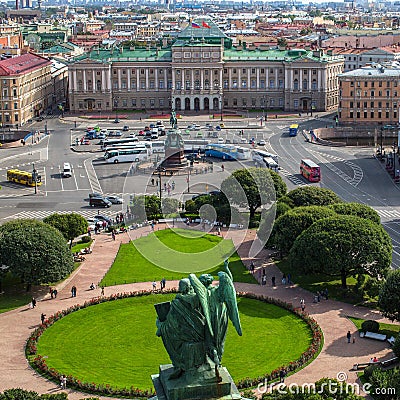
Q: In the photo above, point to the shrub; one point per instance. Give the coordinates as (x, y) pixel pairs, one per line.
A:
(369, 370)
(370, 326)
(396, 346)
(85, 239)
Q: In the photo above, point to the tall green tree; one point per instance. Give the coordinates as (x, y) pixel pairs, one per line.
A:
(145, 207)
(343, 246)
(389, 296)
(313, 196)
(36, 252)
(250, 188)
(357, 209)
(70, 225)
(291, 224)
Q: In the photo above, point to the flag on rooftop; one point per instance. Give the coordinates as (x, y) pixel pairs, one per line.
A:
(205, 25)
(194, 25)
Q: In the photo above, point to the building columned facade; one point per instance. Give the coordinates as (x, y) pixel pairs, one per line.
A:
(202, 72)
(370, 95)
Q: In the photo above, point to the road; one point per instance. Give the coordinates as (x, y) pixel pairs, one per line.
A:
(352, 172)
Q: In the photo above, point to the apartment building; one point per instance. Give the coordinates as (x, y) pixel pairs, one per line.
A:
(369, 95)
(201, 71)
(26, 88)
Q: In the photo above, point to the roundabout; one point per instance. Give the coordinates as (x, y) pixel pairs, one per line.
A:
(109, 346)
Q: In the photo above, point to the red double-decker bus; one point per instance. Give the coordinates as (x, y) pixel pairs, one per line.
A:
(310, 170)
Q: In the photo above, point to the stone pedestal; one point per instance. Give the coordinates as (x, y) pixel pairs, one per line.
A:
(174, 158)
(190, 388)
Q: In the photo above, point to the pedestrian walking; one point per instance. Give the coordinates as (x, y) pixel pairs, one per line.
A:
(264, 280)
(222, 167)
(273, 281)
(33, 302)
(43, 318)
(51, 293)
(113, 235)
(326, 293)
(102, 291)
(73, 291)
(348, 336)
(152, 181)
(154, 285)
(282, 374)
(173, 185)
(55, 291)
(302, 304)
(252, 267)
(284, 279)
(289, 279)
(163, 283)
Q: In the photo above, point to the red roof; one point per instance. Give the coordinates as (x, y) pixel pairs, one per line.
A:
(22, 64)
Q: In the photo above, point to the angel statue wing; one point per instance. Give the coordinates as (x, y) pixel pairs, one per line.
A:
(227, 294)
(202, 293)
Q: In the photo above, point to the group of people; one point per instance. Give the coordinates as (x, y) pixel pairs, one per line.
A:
(321, 294)
(53, 293)
(162, 284)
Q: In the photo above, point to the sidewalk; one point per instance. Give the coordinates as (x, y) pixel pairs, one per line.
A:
(337, 355)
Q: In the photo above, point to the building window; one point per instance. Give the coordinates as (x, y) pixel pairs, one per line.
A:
(296, 84)
(197, 84)
(133, 102)
(244, 83)
(234, 83)
(16, 117)
(372, 84)
(98, 85)
(387, 114)
(296, 104)
(151, 84)
(372, 93)
(351, 115)
(253, 83)
(379, 114)
(305, 84)
(243, 70)
(280, 102)
(365, 104)
(314, 85)
(235, 102)
(187, 85)
(272, 84)
(351, 104)
(244, 102)
(169, 84)
(280, 82)
(372, 104)
(365, 115)
(372, 115)
(143, 102)
(152, 102)
(225, 71)
(143, 84)
(99, 106)
(358, 115)
(365, 84)
(262, 84)
(142, 71)
(262, 70)
(123, 85)
(15, 92)
(161, 102)
(133, 84)
(115, 85)
(15, 106)
(272, 102)
(253, 102)
(225, 83)
(253, 70)
(296, 72)
(380, 83)
(351, 84)
(387, 93)
(80, 105)
(178, 86)
(124, 103)
(161, 84)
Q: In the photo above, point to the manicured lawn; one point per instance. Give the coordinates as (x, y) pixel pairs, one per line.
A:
(76, 248)
(115, 342)
(386, 329)
(14, 295)
(179, 252)
(318, 282)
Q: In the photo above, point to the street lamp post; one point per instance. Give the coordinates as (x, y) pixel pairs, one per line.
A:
(160, 169)
(311, 102)
(221, 105)
(188, 180)
(34, 176)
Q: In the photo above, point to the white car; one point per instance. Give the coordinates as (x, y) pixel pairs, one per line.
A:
(114, 199)
(221, 140)
(91, 223)
(243, 140)
(261, 142)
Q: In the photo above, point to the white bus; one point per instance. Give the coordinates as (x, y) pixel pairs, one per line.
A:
(243, 153)
(158, 146)
(117, 142)
(259, 155)
(126, 155)
(270, 163)
(146, 145)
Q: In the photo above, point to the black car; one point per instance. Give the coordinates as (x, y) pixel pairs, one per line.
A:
(116, 121)
(101, 217)
(125, 128)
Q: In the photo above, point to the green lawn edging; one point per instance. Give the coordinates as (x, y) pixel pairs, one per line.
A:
(38, 362)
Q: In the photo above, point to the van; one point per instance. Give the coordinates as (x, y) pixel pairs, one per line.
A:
(67, 171)
(99, 202)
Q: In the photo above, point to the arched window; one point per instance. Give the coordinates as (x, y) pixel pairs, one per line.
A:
(296, 84)
(207, 84)
(314, 85)
(98, 85)
(197, 84)
(305, 84)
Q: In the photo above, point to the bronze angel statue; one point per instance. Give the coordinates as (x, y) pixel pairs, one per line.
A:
(195, 326)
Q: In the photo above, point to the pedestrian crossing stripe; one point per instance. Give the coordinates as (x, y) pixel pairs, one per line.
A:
(292, 178)
(392, 214)
(46, 213)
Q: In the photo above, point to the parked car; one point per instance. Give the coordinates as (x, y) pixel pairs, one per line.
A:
(199, 134)
(115, 199)
(99, 202)
(261, 142)
(125, 128)
(132, 135)
(101, 136)
(116, 121)
(221, 140)
(141, 133)
(243, 140)
(101, 217)
(151, 126)
(115, 133)
(217, 128)
(86, 141)
(95, 194)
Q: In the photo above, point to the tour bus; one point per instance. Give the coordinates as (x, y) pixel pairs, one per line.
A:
(108, 142)
(271, 163)
(194, 145)
(259, 156)
(158, 146)
(243, 153)
(224, 151)
(310, 170)
(126, 155)
(147, 145)
(293, 129)
(23, 177)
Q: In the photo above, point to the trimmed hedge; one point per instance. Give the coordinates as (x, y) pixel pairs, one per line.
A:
(370, 326)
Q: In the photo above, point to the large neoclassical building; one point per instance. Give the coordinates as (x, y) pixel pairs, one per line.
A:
(201, 71)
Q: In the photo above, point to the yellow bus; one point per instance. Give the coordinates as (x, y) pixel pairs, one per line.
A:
(23, 177)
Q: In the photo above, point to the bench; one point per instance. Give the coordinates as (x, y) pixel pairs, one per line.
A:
(391, 361)
(372, 335)
(391, 341)
(357, 367)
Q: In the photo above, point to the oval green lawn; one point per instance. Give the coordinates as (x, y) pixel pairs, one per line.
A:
(115, 343)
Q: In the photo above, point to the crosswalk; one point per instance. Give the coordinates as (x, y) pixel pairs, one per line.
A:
(45, 213)
(292, 178)
(389, 215)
